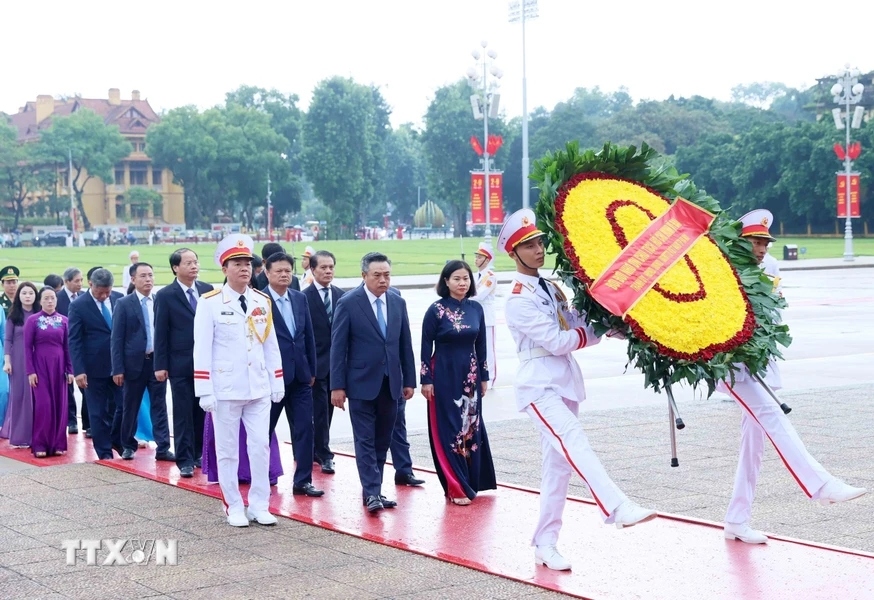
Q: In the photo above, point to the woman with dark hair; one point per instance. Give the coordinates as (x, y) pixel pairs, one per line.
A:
(18, 425)
(454, 380)
(49, 370)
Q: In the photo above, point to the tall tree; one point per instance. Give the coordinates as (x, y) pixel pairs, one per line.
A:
(95, 148)
(20, 173)
(405, 172)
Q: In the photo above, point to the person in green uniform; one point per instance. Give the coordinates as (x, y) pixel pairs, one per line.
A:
(9, 277)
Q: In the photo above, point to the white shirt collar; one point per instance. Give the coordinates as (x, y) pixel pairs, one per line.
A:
(275, 295)
(140, 296)
(371, 296)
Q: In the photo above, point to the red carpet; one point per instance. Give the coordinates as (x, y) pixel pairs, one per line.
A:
(671, 557)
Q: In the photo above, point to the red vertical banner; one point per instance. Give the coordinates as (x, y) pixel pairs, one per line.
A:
(855, 208)
(496, 198)
(477, 193)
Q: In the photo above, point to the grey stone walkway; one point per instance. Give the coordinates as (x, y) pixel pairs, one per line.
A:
(40, 507)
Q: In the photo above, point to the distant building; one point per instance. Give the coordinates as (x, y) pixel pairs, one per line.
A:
(105, 203)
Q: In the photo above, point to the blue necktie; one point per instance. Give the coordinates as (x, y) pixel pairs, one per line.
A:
(287, 314)
(148, 326)
(106, 316)
(192, 299)
(380, 320)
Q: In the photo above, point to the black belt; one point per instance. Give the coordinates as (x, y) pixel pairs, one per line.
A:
(149, 355)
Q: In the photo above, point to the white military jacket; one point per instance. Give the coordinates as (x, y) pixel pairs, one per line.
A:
(236, 354)
(486, 286)
(544, 346)
(306, 279)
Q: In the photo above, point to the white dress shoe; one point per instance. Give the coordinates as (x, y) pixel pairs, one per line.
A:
(550, 557)
(629, 514)
(262, 517)
(838, 491)
(238, 520)
(744, 533)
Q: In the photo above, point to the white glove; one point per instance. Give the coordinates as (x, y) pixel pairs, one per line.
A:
(207, 403)
(277, 397)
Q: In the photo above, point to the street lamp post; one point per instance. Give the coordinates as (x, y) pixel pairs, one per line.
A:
(485, 106)
(269, 210)
(521, 10)
(846, 92)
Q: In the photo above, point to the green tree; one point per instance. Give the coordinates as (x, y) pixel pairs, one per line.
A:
(404, 172)
(95, 148)
(20, 174)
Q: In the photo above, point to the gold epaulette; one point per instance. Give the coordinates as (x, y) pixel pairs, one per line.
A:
(211, 293)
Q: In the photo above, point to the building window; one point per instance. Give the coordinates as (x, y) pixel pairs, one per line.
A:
(156, 177)
(119, 175)
(138, 173)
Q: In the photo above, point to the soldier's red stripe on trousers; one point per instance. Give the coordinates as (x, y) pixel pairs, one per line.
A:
(658, 248)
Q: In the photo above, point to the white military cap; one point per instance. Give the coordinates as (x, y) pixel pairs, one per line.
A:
(236, 245)
(485, 249)
(519, 227)
(308, 251)
(756, 223)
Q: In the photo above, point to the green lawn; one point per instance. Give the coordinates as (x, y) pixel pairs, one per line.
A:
(409, 257)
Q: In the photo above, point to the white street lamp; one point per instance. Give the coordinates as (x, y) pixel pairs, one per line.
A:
(846, 92)
(522, 10)
(485, 103)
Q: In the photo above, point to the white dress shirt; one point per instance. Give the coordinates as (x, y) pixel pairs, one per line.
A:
(105, 303)
(372, 299)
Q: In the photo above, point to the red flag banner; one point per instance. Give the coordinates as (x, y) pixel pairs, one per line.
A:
(855, 208)
(640, 265)
(477, 193)
(496, 198)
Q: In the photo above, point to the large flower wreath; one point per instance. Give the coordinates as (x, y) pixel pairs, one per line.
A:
(711, 309)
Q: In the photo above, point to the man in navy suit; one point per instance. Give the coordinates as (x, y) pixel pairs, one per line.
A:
(372, 364)
(268, 250)
(90, 328)
(72, 289)
(322, 298)
(294, 332)
(174, 355)
(133, 365)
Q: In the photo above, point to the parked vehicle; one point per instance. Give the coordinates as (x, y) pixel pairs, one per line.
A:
(51, 238)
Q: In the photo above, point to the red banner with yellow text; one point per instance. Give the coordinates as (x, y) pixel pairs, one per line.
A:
(855, 209)
(496, 198)
(477, 193)
(638, 267)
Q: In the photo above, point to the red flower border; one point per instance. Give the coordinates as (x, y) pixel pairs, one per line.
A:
(705, 354)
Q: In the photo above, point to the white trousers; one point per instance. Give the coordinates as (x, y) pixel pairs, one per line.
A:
(490, 355)
(255, 415)
(763, 417)
(565, 449)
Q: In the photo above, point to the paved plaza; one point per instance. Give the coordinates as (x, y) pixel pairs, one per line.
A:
(829, 384)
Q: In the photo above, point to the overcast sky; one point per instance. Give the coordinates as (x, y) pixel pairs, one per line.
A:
(193, 52)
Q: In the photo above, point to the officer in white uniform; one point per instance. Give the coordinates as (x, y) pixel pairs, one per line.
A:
(307, 279)
(237, 372)
(763, 417)
(486, 285)
(549, 388)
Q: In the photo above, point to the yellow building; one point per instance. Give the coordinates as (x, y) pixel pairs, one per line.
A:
(104, 202)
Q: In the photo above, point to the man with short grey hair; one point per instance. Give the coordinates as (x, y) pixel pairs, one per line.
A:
(90, 330)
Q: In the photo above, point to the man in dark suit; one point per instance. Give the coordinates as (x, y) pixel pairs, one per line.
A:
(71, 290)
(267, 250)
(294, 332)
(322, 298)
(90, 327)
(372, 364)
(174, 355)
(133, 352)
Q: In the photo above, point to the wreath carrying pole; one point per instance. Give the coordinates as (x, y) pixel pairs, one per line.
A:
(674, 421)
(783, 406)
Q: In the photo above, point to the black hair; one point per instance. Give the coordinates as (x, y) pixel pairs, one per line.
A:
(91, 272)
(372, 257)
(278, 257)
(448, 269)
(314, 259)
(16, 313)
(41, 293)
(271, 248)
(132, 270)
(176, 257)
(53, 281)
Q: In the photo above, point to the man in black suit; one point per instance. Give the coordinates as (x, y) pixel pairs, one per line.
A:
(322, 298)
(267, 250)
(294, 332)
(71, 290)
(174, 355)
(90, 327)
(372, 363)
(133, 352)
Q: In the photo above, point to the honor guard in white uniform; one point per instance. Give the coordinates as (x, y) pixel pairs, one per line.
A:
(486, 285)
(237, 372)
(549, 387)
(307, 279)
(762, 417)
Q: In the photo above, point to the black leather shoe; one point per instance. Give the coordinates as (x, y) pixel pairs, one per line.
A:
(328, 467)
(307, 489)
(197, 463)
(407, 479)
(118, 449)
(72, 430)
(373, 504)
(87, 433)
(387, 503)
(168, 456)
(186, 472)
(127, 454)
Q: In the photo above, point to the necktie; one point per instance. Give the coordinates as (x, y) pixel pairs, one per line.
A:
(287, 313)
(106, 316)
(543, 285)
(192, 299)
(380, 320)
(243, 303)
(328, 308)
(148, 323)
